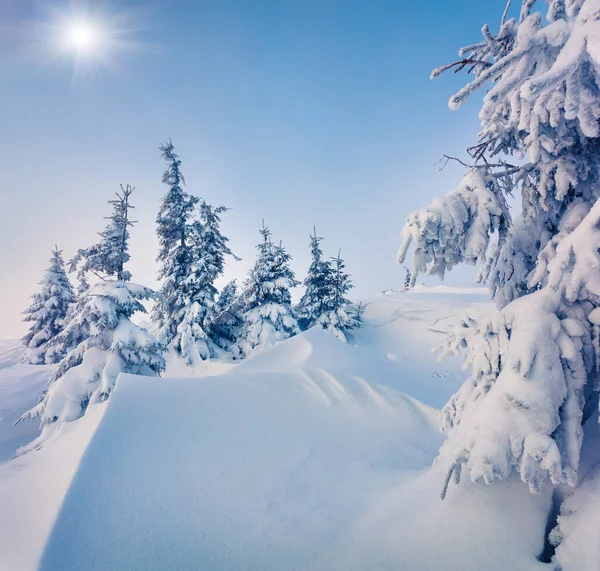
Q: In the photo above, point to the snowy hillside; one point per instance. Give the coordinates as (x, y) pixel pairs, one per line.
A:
(311, 455)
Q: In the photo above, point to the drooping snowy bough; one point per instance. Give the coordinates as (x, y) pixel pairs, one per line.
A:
(535, 362)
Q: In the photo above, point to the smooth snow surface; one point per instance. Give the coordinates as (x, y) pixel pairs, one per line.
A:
(20, 388)
(261, 471)
(312, 455)
(32, 488)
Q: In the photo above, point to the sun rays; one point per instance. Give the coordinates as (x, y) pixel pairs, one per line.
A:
(92, 38)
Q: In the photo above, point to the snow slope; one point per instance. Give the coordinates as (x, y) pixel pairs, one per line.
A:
(313, 455)
(20, 388)
(395, 348)
(32, 488)
(261, 471)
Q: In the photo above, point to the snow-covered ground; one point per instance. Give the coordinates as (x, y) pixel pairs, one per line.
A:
(313, 455)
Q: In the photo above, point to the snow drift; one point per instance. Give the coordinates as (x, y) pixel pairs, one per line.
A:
(312, 455)
(261, 471)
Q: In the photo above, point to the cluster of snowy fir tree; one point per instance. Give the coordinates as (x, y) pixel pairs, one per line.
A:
(533, 391)
(92, 339)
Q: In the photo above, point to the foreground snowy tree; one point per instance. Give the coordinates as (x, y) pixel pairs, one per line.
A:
(175, 225)
(48, 311)
(108, 343)
(266, 303)
(535, 362)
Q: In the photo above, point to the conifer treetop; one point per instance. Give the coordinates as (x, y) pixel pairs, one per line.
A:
(108, 257)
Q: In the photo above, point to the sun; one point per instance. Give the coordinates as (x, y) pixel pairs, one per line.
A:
(91, 37)
(84, 38)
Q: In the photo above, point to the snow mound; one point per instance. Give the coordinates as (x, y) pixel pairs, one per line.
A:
(394, 348)
(476, 528)
(314, 455)
(240, 471)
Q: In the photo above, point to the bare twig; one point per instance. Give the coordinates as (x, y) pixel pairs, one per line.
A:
(460, 65)
(447, 158)
(508, 3)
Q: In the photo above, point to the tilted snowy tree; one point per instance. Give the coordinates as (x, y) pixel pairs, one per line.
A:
(195, 339)
(340, 316)
(108, 343)
(317, 295)
(266, 303)
(48, 311)
(535, 362)
(175, 224)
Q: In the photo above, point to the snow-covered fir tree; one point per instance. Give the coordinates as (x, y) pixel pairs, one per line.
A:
(535, 362)
(266, 303)
(48, 311)
(226, 321)
(315, 300)
(195, 339)
(107, 342)
(175, 224)
(341, 316)
(324, 301)
(227, 297)
(109, 256)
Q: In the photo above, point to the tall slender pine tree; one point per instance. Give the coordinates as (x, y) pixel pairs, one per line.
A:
(174, 228)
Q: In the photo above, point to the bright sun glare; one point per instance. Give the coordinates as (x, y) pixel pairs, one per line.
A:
(83, 37)
(89, 36)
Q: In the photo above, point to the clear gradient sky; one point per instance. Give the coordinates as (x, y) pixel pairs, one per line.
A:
(300, 112)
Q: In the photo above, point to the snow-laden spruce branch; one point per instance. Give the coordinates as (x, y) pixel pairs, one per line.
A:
(535, 361)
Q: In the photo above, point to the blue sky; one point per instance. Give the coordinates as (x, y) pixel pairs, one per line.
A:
(300, 112)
